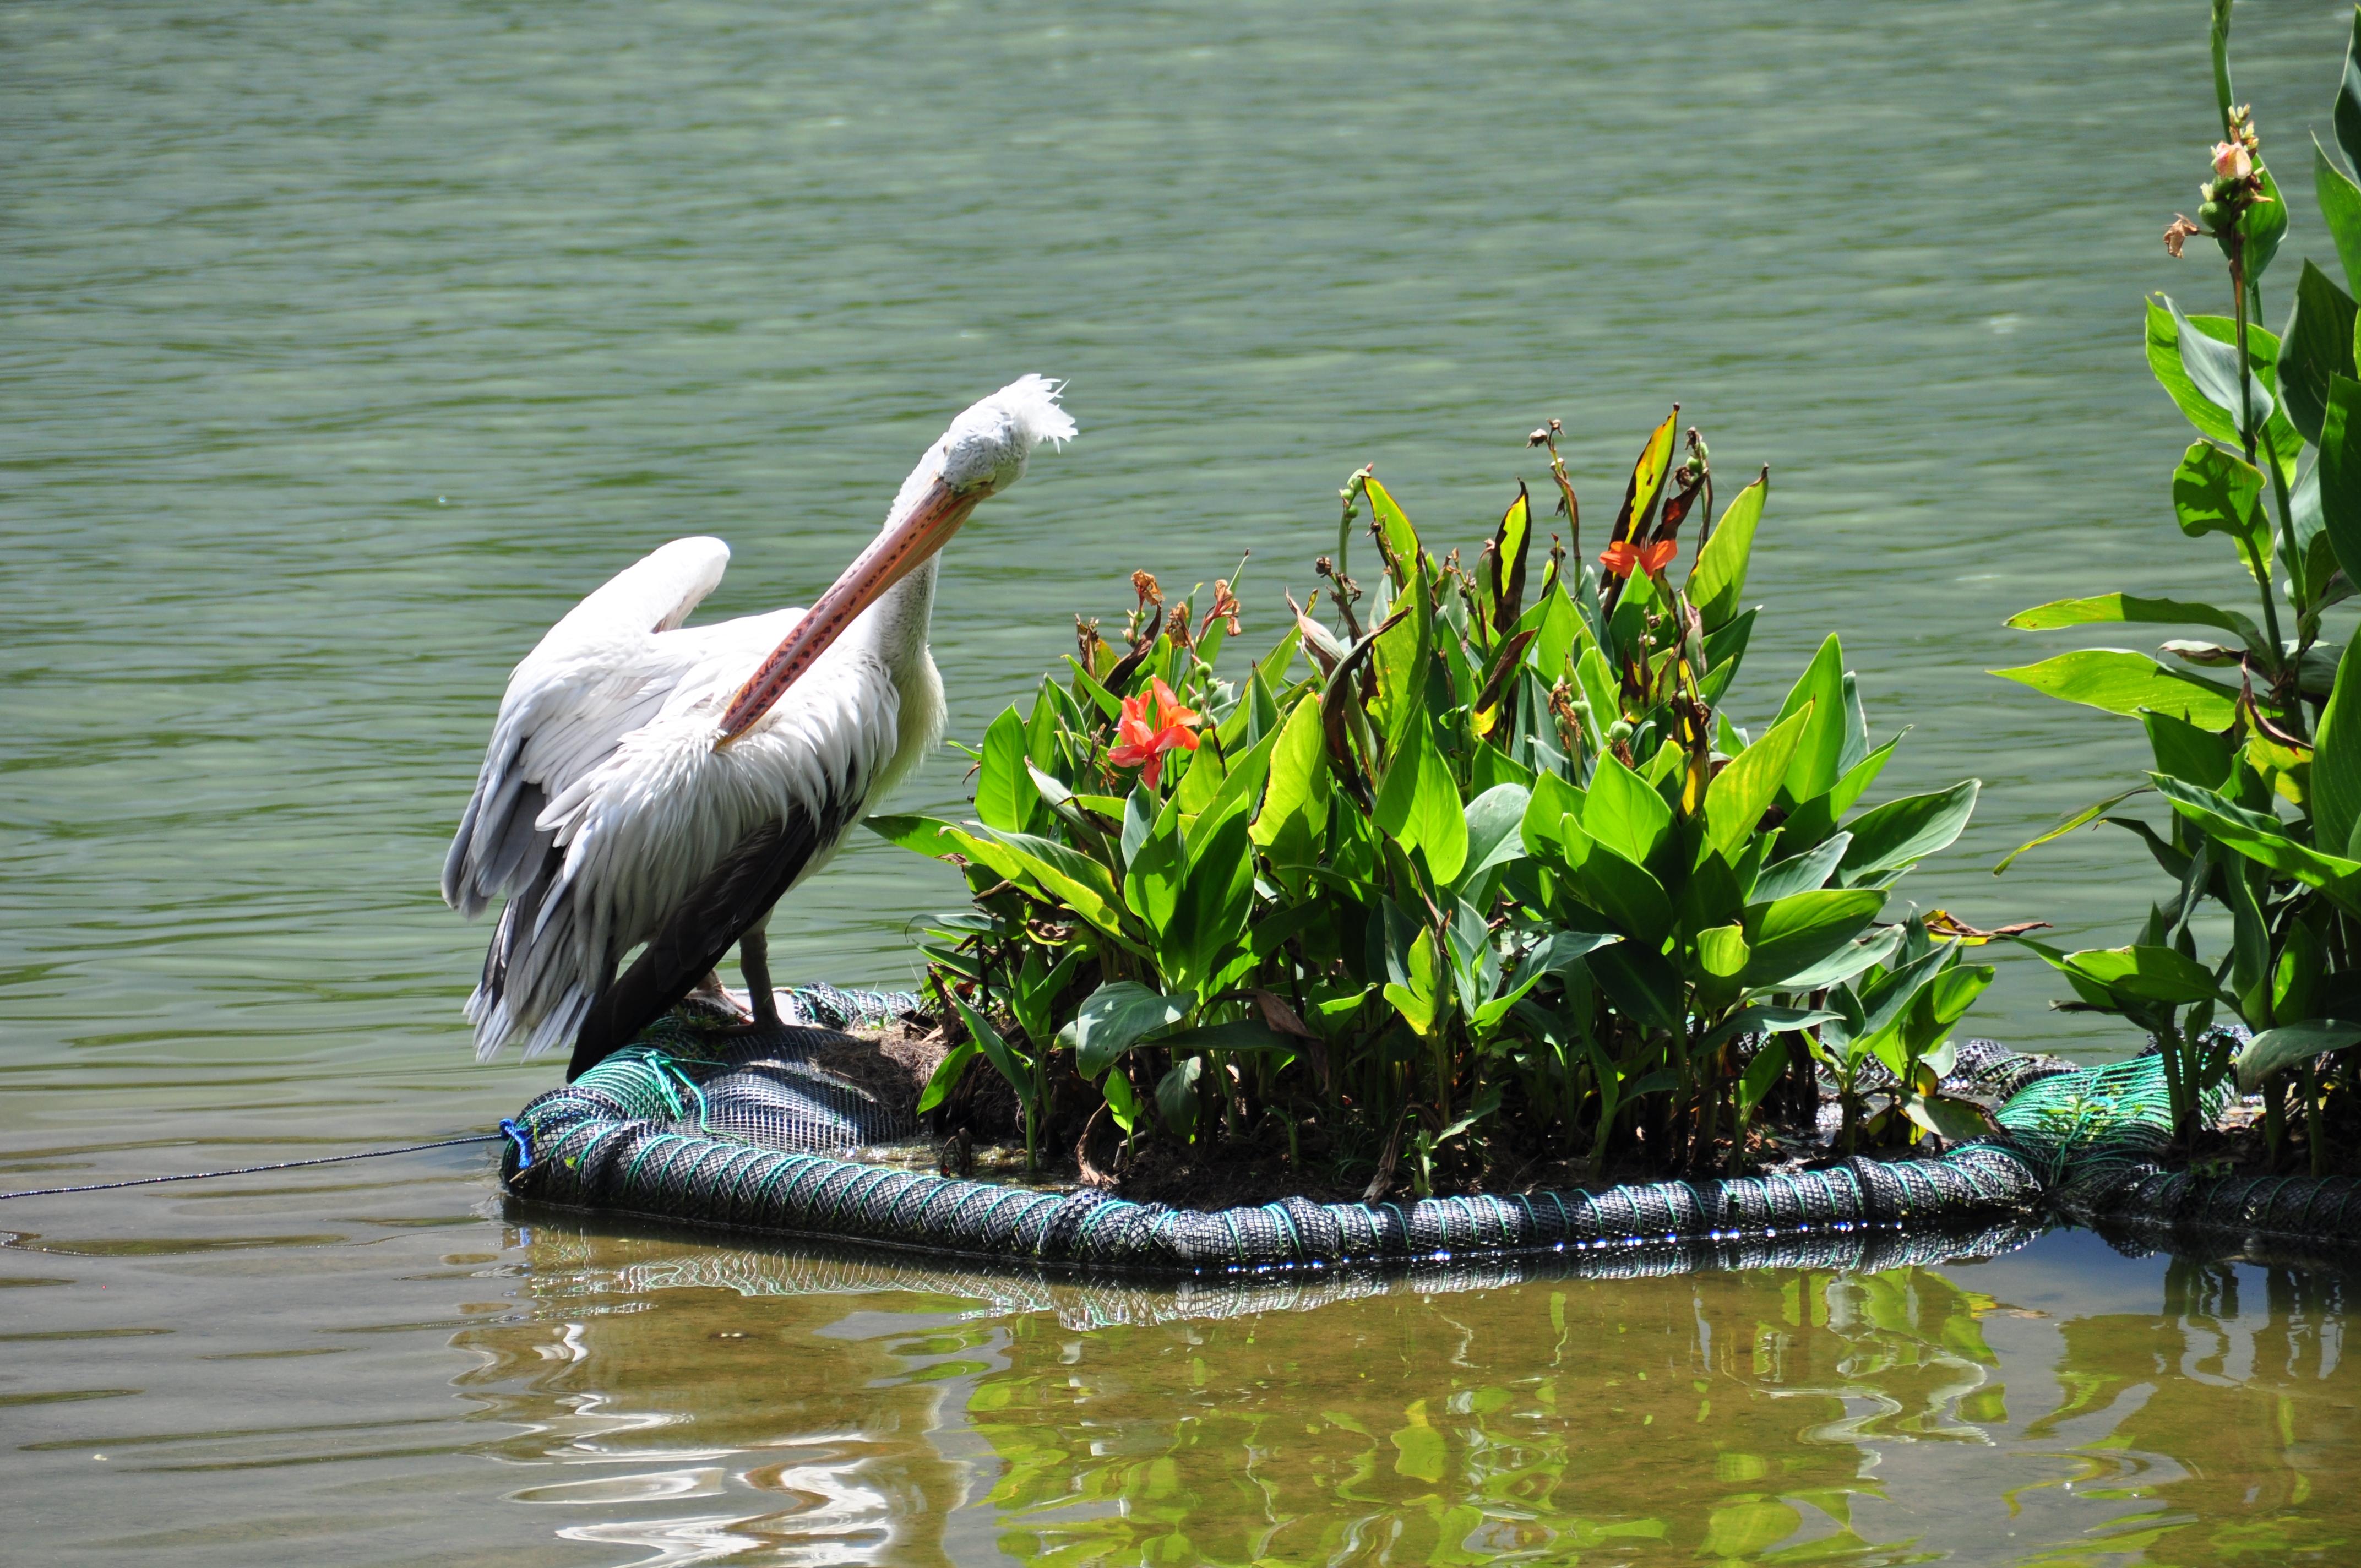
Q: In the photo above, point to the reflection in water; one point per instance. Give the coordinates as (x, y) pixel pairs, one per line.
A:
(689, 1403)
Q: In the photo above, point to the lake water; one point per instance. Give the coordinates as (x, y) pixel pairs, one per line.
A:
(345, 346)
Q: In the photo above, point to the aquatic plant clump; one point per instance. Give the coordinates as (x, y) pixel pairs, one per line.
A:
(1480, 871)
(2255, 726)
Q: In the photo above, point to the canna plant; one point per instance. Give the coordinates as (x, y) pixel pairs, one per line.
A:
(2255, 730)
(1483, 859)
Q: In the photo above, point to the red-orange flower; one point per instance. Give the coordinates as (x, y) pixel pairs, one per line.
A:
(1142, 741)
(1622, 557)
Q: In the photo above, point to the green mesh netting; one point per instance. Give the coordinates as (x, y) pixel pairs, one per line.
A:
(750, 1133)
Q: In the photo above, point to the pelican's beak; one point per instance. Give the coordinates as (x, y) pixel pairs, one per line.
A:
(928, 526)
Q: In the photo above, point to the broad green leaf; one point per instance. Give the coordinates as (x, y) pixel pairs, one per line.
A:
(1554, 800)
(1816, 820)
(1216, 897)
(1625, 813)
(1176, 1095)
(1494, 822)
(1121, 1105)
(1239, 1034)
(2213, 368)
(2339, 474)
(1401, 538)
(2195, 756)
(1417, 806)
(1626, 894)
(1553, 634)
(2148, 973)
(2164, 359)
(1005, 796)
(2263, 226)
(1818, 695)
(947, 1075)
(2336, 761)
(1763, 1018)
(2340, 209)
(2289, 1045)
(2263, 839)
(2082, 818)
(1801, 873)
(1003, 1061)
(1790, 934)
(1723, 951)
(2107, 610)
(1118, 1015)
(1742, 791)
(2317, 345)
(2213, 491)
(1846, 961)
(1953, 1121)
(1903, 831)
(1642, 986)
(1764, 1070)
(1718, 580)
(1294, 819)
(1151, 878)
(1081, 882)
(2347, 115)
(923, 834)
(1417, 997)
(2115, 680)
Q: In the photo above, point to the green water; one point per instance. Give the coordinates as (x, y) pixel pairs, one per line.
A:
(342, 346)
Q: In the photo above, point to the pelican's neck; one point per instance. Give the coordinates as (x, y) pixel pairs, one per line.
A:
(896, 627)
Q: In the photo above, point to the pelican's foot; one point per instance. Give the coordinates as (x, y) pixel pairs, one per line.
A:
(714, 1011)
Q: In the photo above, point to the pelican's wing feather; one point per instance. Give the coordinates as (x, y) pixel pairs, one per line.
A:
(734, 896)
(602, 672)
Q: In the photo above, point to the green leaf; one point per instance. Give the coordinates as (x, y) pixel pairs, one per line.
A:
(1722, 951)
(995, 1050)
(1117, 1017)
(1121, 1105)
(1642, 986)
(2340, 209)
(2348, 99)
(2193, 755)
(2318, 344)
(1954, 1120)
(1495, 819)
(1901, 832)
(2108, 609)
(2339, 474)
(2261, 838)
(2214, 493)
(947, 1075)
(1801, 873)
(1626, 894)
(2289, 1045)
(1239, 1034)
(923, 834)
(1625, 813)
(1718, 580)
(1790, 934)
(2164, 359)
(1814, 820)
(2213, 369)
(1417, 997)
(1739, 795)
(1818, 693)
(1074, 879)
(2148, 973)
(1216, 897)
(2115, 680)
(1176, 1095)
(1764, 1070)
(1005, 796)
(1765, 1019)
(2083, 818)
(1294, 819)
(2336, 761)
(1846, 961)
(1393, 523)
(1417, 806)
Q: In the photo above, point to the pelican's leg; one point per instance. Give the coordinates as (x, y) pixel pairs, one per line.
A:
(755, 964)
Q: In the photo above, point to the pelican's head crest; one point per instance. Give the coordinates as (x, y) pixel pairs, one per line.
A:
(986, 448)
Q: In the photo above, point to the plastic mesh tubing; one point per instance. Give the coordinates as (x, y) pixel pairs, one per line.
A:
(630, 1137)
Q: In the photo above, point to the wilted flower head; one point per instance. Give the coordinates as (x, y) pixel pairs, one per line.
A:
(1145, 586)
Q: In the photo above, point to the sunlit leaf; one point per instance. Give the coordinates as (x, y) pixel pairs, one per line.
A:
(2115, 680)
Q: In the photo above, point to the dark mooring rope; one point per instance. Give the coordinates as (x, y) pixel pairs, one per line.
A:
(255, 1169)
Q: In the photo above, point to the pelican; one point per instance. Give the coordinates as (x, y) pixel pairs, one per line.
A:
(649, 783)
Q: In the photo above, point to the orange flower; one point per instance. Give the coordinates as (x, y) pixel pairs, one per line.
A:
(1622, 557)
(1142, 741)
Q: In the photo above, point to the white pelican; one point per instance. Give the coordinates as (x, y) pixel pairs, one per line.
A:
(651, 784)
